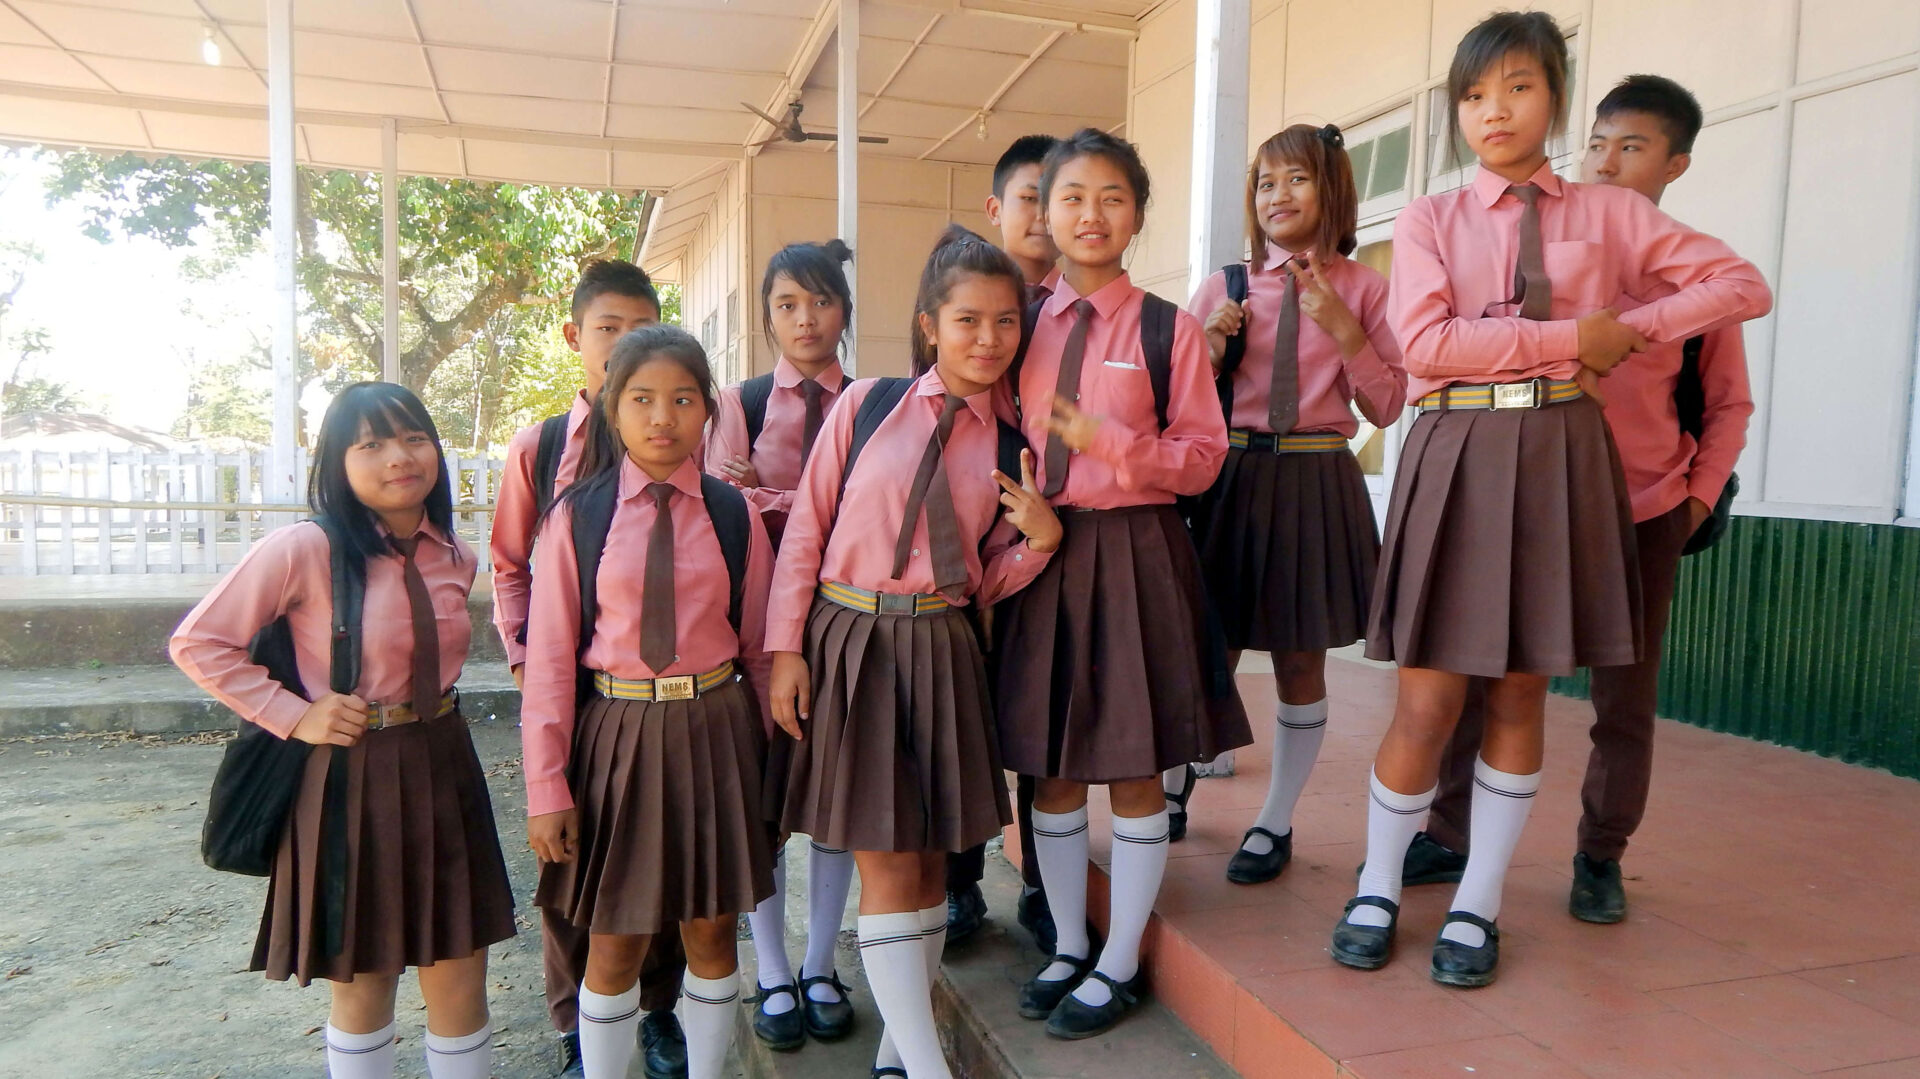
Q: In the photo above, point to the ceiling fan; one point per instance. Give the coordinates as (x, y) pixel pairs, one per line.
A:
(789, 130)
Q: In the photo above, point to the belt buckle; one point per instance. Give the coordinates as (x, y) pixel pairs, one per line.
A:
(891, 603)
(376, 717)
(1516, 395)
(677, 688)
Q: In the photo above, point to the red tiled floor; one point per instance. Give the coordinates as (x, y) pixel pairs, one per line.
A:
(1772, 929)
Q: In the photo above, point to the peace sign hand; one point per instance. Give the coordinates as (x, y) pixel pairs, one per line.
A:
(1076, 428)
(1028, 511)
(1319, 302)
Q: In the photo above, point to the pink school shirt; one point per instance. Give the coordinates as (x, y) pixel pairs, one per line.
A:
(1664, 465)
(853, 542)
(701, 631)
(290, 573)
(1132, 462)
(1374, 376)
(515, 517)
(1454, 254)
(776, 456)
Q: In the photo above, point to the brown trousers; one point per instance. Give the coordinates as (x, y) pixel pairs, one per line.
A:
(969, 867)
(1613, 797)
(563, 956)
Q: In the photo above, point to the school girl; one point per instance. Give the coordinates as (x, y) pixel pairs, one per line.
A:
(1287, 534)
(644, 747)
(1509, 548)
(1104, 672)
(761, 439)
(873, 648)
(425, 885)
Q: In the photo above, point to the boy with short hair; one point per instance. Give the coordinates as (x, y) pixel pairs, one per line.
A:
(1642, 138)
(612, 299)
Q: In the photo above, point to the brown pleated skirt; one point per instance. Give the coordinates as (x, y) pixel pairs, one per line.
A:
(1509, 546)
(671, 825)
(425, 878)
(1105, 666)
(901, 752)
(1289, 548)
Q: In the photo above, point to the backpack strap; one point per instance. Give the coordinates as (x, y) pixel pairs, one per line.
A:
(349, 596)
(1156, 342)
(1689, 392)
(727, 509)
(546, 461)
(754, 395)
(592, 516)
(1236, 350)
(874, 410)
(1028, 320)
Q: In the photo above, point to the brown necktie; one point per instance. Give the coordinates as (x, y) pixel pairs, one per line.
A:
(1067, 386)
(1037, 293)
(931, 491)
(1531, 288)
(812, 391)
(656, 596)
(1283, 399)
(426, 633)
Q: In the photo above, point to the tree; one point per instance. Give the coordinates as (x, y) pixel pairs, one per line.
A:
(469, 250)
(34, 394)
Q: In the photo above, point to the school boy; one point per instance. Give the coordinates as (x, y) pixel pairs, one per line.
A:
(1015, 209)
(1642, 138)
(612, 298)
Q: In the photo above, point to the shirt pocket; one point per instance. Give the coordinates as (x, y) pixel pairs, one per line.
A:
(1582, 281)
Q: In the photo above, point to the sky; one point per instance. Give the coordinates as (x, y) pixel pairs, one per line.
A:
(118, 315)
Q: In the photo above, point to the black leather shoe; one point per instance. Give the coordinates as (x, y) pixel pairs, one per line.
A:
(1177, 818)
(827, 1020)
(1456, 964)
(1036, 917)
(567, 1049)
(966, 913)
(1427, 862)
(1074, 1020)
(1598, 895)
(784, 1032)
(888, 1072)
(1039, 998)
(663, 1046)
(1365, 947)
(1246, 867)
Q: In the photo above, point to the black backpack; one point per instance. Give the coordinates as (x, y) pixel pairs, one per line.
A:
(1690, 401)
(260, 772)
(754, 395)
(1236, 350)
(1156, 343)
(546, 462)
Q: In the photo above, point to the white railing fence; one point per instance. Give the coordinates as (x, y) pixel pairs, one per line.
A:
(141, 511)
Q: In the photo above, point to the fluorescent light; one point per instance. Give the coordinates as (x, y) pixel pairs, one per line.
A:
(209, 48)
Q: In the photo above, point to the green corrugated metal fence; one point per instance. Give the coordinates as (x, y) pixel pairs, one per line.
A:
(1805, 633)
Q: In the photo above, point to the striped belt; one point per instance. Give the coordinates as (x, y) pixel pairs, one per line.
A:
(380, 716)
(679, 687)
(1264, 442)
(1533, 393)
(860, 599)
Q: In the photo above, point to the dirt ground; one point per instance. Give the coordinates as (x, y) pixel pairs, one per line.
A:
(122, 955)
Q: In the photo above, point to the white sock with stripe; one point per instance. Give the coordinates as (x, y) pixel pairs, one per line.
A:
(707, 1015)
(1299, 730)
(1139, 863)
(360, 1056)
(829, 879)
(469, 1056)
(768, 924)
(893, 950)
(1502, 801)
(1060, 844)
(1392, 821)
(607, 1026)
(933, 940)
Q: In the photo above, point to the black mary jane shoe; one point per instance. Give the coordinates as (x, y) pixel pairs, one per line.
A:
(827, 1020)
(888, 1072)
(1038, 998)
(1072, 1019)
(663, 1046)
(1246, 867)
(784, 1032)
(1456, 964)
(1426, 862)
(966, 914)
(1177, 818)
(567, 1050)
(1365, 947)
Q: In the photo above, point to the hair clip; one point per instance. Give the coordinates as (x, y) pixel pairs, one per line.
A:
(1332, 137)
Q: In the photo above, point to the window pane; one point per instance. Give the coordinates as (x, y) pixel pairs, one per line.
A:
(1390, 162)
(1362, 156)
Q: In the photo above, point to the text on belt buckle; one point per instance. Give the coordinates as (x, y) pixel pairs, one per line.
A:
(893, 603)
(1516, 395)
(677, 688)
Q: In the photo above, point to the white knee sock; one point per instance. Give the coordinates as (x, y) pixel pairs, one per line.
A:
(933, 940)
(1392, 820)
(607, 1026)
(360, 1056)
(707, 1015)
(469, 1056)
(1296, 746)
(893, 949)
(1502, 802)
(1139, 862)
(768, 923)
(829, 877)
(1060, 843)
